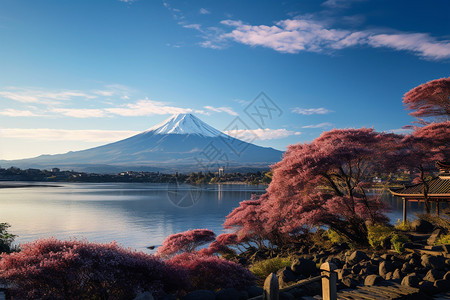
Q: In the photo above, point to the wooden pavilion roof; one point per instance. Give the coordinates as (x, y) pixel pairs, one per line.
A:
(439, 188)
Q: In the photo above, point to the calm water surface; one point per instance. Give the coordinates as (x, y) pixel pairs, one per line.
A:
(133, 214)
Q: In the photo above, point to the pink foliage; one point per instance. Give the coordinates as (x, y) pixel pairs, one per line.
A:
(221, 244)
(186, 241)
(431, 99)
(53, 269)
(211, 272)
(322, 183)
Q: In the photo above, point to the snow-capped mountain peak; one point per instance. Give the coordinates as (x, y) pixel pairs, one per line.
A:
(185, 124)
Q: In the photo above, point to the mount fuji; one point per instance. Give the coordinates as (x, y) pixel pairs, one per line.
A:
(182, 143)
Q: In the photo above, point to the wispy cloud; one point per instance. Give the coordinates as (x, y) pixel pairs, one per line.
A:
(46, 134)
(147, 108)
(305, 34)
(311, 111)
(403, 131)
(227, 110)
(10, 112)
(320, 125)
(33, 95)
(261, 134)
(339, 3)
(204, 11)
(80, 112)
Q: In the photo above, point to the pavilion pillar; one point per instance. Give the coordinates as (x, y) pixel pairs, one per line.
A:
(404, 211)
(437, 208)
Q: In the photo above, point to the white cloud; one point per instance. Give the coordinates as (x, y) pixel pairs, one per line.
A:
(305, 34)
(10, 112)
(403, 131)
(261, 134)
(339, 3)
(46, 134)
(320, 125)
(204, 11)
(311, 111)
(192, 26)
(80, 112)
(31, 95)
(227, 110)
(148, 108)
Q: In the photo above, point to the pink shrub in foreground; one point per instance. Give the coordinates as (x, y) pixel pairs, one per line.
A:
(53, 269)
(211, 272)
(186, 241)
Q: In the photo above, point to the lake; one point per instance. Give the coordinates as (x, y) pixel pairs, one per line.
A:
(136, 215)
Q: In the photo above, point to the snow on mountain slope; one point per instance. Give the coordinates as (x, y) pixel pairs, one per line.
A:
(185, 124)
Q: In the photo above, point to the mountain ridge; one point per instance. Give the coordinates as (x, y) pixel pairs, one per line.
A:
(182, 143)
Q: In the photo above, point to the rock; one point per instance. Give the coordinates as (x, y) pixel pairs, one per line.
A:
(341, 273)
(228, 294)
(446, 248)
(200, 295)
(304, 267)
(387, 256)
(397, 274)
(336, 261)
(433, 262)
(356, 257)
(255, 291)
(349, 283)
(384, 268)
(447, 276)
(433, 275)
(243, 295)
(372, 280)
(421, 226)
(407, 268)
(442, 285)
(434, 236)
(356, 269)
(413, 255)
(285, 276)
(427, 287)
(144, 296)
(411, 280)
(386, 243)
(388, 276)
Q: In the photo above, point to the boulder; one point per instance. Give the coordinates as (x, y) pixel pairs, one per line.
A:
(434, 236)
(350, 283)
(421, 226)
(341, 273)
(356, 269)
(407, 268)
(442, 285)
(286, 296)
(305, 267)
(144, 296)
(286, 276)
(200, 295)
(446, 248)
(228, 294)
(411, 280)
(255, 291)
(356, 257)
(384, 268)
(386, 256)
(447, 276)
(434, 275)
(372, 280)
(389, 275)
(433, 262)
(397, 274)
(427, 287)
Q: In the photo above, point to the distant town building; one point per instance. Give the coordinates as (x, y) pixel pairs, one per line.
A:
(55, 170)
(220, 171)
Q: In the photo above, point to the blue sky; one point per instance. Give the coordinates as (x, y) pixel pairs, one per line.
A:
(77, 74)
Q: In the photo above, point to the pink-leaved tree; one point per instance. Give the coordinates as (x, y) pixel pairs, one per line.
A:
(322, 183)
(431, 99)
(186, 241)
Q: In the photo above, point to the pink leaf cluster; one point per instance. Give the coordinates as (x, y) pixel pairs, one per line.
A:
(186, 241)
(211, 272)
(431, 99)
(54, 269)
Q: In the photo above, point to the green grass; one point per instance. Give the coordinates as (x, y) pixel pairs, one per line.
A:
(262, 269)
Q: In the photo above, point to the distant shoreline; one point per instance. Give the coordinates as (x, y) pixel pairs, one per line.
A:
(12, 186)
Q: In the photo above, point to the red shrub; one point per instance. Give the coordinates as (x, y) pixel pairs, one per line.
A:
(186, 241)
(211, 272)
(53, 269)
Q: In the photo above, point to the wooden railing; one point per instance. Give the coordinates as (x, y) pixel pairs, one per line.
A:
(328, 277)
